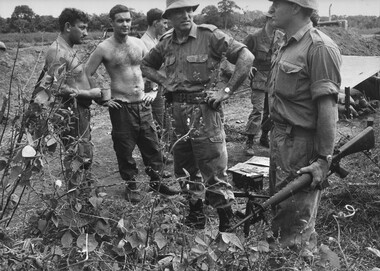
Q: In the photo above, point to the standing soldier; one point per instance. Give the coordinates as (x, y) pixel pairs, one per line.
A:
(74, 92)
(261, 44)
(129, 107)
(156, 28)
(192, 54)
(303, 87)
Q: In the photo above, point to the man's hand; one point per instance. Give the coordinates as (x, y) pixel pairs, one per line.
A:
(318, 170)
(149, 97)
(214, 98)
(112, 104)
(252, 73)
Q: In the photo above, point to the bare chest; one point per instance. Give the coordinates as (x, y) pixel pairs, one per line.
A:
(125, 55)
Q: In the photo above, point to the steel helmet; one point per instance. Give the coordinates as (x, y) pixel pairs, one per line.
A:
(312, 4)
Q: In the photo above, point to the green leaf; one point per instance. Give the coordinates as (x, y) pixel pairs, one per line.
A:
(25, 177)
(160, 240)
(263, 246)
(56, 250)
(28, 152)
(374, 251)
(102, 228)
(198, 250)
(96, 202)
(328, 255)
(134, 240)
(3, 163)
(232, 238)
(87, 245)
(78, 206)
(42, 225)
(30, 139)
(67, 239)
(200, 241)
(54, 219)
(15, 172)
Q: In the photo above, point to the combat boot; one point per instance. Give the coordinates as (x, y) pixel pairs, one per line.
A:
(225, 218)
(196, 218)
(131, 193)
(264, 140)
(157, 185)
(249, 146)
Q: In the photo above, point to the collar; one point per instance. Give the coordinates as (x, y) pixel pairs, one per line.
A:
(301, 32)
(192, 33)
(61, 41)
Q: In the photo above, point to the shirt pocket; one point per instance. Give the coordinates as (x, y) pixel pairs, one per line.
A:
(287, 79)
(197, 70)
(169, 65)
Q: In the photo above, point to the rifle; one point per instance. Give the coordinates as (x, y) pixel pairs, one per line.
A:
(363, 141)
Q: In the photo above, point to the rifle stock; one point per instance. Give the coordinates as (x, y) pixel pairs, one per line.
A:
(365, 140)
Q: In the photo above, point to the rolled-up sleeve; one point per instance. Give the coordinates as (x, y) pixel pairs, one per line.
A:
(223, 43)
(325, 72)
(154, 58)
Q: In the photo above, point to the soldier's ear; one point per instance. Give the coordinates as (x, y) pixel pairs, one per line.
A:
(67, 27)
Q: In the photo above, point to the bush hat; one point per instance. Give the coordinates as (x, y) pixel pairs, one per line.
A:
(312, 4)
(173, 4)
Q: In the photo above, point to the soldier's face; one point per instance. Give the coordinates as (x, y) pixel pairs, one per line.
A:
(122, 23)
(181, 18)
(282, 13)
(78, 32)
(161, 26)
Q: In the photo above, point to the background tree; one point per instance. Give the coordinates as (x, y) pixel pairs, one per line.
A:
(211, 15)
(22, 17)
(226, 9)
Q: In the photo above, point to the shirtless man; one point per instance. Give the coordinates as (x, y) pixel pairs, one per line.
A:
(74, 92)
(129, 107)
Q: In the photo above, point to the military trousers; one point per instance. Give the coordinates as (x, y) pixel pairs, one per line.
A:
(133, 125)
(294, 219)
(199, 148)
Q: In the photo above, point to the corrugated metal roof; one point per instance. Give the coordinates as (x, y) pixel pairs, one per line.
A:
(356, 69)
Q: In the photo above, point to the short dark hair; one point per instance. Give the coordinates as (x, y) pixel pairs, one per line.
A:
(117, 9)
(71, 15)
(153, 15)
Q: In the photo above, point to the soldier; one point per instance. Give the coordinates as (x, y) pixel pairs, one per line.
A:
(129, 108)
(156, 27)
(75, 92)
(192, 54)
(261, 44)
(303, 87)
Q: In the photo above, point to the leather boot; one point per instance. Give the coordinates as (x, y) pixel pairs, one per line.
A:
(157, 185)
(225, 218)
(196, 218)
(264, 140)
(132, 194)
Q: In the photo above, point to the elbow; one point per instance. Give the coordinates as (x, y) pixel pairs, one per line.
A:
(246, 56)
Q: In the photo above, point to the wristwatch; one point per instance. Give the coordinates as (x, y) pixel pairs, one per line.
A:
(327, 158)
(227, 90)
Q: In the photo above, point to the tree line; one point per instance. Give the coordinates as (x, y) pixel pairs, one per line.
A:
(225, 15)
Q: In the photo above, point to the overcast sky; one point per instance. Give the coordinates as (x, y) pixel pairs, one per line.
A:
(54, 7)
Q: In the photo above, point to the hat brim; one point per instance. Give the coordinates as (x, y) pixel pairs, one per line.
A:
(267, 14)
(174, 6)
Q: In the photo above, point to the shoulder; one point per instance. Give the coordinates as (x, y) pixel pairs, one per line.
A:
(167, 34)
(319, 38)
(207, 27)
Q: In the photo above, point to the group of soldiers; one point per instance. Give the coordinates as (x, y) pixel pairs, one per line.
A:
(295, 81)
